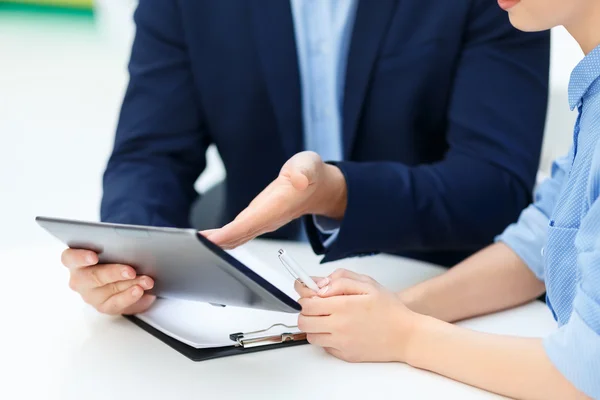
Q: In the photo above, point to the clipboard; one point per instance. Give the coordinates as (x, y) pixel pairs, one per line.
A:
(242, 343)
(189, 268)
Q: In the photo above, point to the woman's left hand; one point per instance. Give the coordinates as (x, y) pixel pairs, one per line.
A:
(354, 318)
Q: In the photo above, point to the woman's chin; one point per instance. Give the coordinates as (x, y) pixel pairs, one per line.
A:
(526, 24)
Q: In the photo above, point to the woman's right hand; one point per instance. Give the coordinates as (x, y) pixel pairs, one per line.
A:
(110, 288)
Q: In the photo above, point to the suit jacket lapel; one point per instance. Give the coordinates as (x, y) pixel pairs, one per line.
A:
(371, 23)
(276, 44)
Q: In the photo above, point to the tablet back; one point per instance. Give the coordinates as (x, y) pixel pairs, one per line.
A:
(183, 263)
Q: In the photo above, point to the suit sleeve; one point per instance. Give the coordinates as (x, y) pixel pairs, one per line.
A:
(496, 120)
(159, 149)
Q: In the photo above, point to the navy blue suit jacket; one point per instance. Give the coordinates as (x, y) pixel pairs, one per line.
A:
(443, 114)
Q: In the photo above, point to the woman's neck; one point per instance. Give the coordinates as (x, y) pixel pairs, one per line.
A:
(585, 27)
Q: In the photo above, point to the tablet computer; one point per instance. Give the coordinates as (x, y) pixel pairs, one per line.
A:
(182, 262)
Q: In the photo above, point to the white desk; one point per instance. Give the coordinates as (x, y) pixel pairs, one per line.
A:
(54, 347)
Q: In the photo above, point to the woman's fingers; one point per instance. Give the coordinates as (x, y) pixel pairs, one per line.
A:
(320, 339)
(345, 286)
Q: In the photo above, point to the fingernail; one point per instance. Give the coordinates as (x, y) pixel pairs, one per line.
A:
(136, 292)
(127, 274)
(90, 259)
(323, 282)
(147, 284)
(324, 290)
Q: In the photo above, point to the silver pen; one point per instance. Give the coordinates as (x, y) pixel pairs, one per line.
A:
(296, 271)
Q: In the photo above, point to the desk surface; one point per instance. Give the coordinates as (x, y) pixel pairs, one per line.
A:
(54, 347)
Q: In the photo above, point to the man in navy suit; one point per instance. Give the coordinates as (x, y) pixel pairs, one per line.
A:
(430, 112)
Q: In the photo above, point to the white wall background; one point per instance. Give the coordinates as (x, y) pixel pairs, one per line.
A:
(60, 90)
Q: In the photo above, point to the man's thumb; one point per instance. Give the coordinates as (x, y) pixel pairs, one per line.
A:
(302, 169)
(299, 180)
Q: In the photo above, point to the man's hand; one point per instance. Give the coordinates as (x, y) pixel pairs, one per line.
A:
(305, 185)
(109, 288)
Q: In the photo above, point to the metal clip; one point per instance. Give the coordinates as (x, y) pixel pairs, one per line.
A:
(261, 338)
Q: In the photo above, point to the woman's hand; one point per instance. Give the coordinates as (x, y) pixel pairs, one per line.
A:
(355, 319)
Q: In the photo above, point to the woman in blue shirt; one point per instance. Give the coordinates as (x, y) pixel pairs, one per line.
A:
(555, 246)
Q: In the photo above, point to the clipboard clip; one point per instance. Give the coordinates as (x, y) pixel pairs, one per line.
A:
(263, 338)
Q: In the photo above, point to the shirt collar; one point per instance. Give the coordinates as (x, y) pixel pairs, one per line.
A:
(585, 74)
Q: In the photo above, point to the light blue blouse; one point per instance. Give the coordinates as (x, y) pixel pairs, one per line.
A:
(558, 237)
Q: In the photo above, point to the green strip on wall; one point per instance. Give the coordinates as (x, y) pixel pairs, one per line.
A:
(43, 9)
(87, 4)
